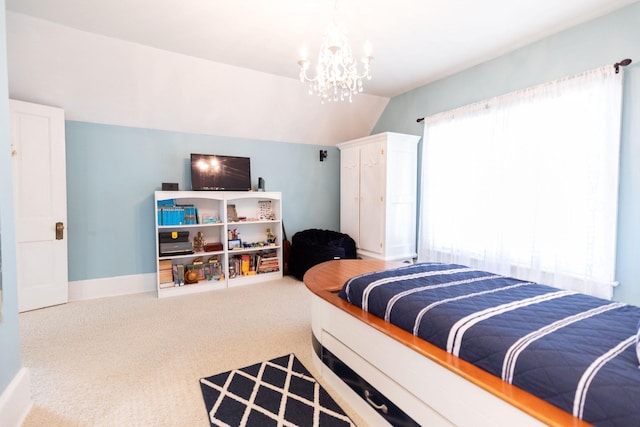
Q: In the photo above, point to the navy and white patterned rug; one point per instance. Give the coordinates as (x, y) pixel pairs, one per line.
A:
(278, 392)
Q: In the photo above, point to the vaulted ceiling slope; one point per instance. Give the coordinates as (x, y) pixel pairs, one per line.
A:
(234, 63)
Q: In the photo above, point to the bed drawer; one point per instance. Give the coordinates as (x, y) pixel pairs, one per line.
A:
(365, 390)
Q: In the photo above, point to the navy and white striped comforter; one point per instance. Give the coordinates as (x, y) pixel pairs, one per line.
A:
(572, 350)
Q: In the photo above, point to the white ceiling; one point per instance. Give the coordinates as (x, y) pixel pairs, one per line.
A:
(414, 41)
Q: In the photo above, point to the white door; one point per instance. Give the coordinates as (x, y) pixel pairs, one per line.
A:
(40, 201)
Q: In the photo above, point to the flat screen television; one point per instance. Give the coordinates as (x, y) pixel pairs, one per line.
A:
(220, 173)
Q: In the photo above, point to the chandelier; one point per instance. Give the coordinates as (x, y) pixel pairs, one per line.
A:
(337, 75)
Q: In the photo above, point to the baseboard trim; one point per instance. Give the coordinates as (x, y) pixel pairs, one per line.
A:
(112, 286)
(15, 400)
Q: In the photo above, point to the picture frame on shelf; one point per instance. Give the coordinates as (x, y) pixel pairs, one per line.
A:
(232, 214)
(235, 244)
(265, 210)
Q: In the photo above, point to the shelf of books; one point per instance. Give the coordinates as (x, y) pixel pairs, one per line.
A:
(254, 232)
(209, 240)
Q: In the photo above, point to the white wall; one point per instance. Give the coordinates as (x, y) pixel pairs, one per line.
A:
(103, 80)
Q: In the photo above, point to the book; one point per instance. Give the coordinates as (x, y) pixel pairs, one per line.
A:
(267, 261)
(171, 216)
(178, 275)
(166, 276)
(190, 213)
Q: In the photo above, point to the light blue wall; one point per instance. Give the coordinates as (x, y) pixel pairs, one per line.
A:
(9, 325)
(112, 172)
(605, 40)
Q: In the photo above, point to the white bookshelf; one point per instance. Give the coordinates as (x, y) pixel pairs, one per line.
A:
(215, 224)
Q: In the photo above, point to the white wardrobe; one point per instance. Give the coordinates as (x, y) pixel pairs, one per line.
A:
(378, 194)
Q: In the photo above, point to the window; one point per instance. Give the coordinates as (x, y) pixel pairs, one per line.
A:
(526, 184)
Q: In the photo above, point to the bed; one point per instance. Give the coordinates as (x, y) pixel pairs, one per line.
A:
(388, 374)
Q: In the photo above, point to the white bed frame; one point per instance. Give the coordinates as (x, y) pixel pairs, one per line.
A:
(431, 386)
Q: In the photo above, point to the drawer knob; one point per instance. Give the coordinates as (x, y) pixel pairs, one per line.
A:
(382, 407)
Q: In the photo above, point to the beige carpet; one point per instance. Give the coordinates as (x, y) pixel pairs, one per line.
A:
(136, 360)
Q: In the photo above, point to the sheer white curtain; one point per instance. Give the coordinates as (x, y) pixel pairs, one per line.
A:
(526, 184)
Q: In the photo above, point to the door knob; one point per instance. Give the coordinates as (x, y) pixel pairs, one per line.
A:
(59, 231)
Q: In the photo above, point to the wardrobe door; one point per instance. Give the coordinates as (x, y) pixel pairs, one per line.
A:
(350, 193)
(372, 197)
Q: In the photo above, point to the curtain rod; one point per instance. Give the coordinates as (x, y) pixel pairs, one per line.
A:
(622, 63)
(617, 66)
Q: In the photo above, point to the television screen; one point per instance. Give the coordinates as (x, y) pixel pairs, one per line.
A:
(220, 173)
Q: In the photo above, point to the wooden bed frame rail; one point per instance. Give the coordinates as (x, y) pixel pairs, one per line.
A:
(326, 279)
